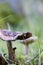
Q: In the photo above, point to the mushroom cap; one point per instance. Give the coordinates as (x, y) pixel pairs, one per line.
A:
(7, 35)
(29, 40)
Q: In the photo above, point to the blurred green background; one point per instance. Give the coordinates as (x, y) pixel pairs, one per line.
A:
(28, 16)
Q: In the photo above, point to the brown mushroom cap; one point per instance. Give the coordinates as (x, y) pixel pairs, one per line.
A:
(24, 36)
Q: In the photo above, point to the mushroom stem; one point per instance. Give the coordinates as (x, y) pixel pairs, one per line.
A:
(27, 52)
(26, 49)
(11, 53)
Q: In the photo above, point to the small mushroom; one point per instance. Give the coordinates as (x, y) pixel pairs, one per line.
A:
(29, 39)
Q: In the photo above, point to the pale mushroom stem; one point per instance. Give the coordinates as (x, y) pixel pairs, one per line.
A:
(27, 51)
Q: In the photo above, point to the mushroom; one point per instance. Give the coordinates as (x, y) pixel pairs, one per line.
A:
(9, 36)
(28, 39)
